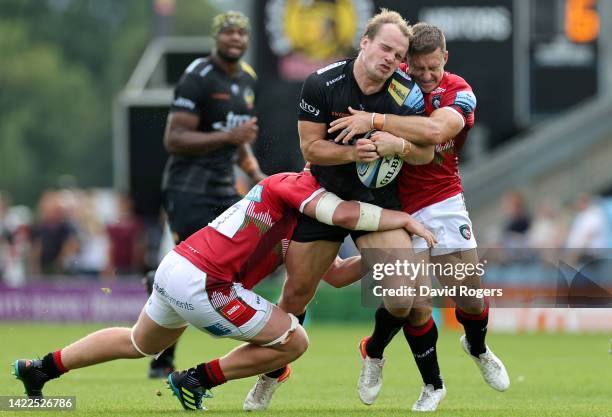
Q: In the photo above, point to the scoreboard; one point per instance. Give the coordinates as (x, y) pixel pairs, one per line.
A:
(563, 54)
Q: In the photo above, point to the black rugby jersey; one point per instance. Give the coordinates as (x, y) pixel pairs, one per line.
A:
(222, 102)
(327, 95)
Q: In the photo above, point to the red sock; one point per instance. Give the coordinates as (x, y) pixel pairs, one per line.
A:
(210, 374)
(52, 364)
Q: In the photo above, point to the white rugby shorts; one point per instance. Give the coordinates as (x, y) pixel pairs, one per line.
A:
(451, 224)
(180, 297)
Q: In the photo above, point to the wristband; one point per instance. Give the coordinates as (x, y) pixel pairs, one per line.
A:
(378, 121)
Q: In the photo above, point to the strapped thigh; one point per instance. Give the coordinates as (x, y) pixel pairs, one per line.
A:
(285, 336)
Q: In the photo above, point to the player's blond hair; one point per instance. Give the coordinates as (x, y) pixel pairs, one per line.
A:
(382, 18)
(426, 39)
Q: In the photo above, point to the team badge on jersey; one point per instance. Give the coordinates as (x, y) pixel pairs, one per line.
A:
(465, 231)
(435, 102)
(398, 91)
(235, 89)
(249, 97)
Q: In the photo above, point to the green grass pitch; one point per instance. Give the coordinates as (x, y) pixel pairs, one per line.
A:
(551, 375)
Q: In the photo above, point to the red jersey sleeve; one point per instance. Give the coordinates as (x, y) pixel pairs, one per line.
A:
(459, 96)
(293, 190)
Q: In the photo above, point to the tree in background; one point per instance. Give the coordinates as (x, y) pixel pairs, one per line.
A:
(63, 62)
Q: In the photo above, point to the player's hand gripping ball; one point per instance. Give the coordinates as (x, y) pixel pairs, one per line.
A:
(381, 172)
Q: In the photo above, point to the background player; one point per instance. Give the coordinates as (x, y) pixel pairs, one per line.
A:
(369, 82)
(210, 123)
(207, 280)
(433, 193)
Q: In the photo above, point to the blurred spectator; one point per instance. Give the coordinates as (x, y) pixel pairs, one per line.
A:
(518, 220)
(547, 232)
(18, 227)
(54, 237)
(127, 243)
(93, 258)
(587, 235)
(548, 228)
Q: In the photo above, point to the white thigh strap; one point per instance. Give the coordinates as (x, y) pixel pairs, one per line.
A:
(283, 337)
(155, 356)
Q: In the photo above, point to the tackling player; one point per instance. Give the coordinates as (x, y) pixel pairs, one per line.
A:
(434, 195)
(206, 281)
(211, 122)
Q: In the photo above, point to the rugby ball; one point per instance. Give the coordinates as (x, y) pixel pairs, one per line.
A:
(381, 172)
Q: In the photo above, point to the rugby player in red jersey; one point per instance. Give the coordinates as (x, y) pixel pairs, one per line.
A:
(434, 195)
(206, 281)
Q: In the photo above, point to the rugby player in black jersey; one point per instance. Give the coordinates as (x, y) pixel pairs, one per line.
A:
(369, 82)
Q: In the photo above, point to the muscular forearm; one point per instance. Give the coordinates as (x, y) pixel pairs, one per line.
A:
(419, 154)
(419, 130)
(323, 152)
(190, 142)
(343, 272)
(348, 213)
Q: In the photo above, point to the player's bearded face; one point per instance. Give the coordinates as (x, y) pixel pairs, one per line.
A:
(428, 69)
(383, 54)
(232, 43)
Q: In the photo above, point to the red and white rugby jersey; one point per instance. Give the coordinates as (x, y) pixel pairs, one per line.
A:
(248, 241)
(424, 185)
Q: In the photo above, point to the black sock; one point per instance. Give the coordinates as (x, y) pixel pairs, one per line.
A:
(422, 341)
(386, 327)
(278, 372)
(50, 365)
(166, 359)
(208, 374)
(475, 326)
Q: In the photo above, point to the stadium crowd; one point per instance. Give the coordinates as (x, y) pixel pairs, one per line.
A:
(80, 232)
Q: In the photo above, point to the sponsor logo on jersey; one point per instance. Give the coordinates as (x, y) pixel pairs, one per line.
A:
(465, 231)
(330, 66)
(178, 303)
(218, 329)
(338, 78)
(309, 108)
(233, 309)
(232, 120)
(220, 96)
(249, 97)
(255, 193)
(338, 114)
(466, 101)
(398, 91)
(184, 102)
(435, 101)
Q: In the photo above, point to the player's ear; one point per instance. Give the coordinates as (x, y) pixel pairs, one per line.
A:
(445, 57)
(363, 42)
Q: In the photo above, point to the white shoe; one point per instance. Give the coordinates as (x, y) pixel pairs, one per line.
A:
(260, 395)
(429, 399)
(492, 369)
(370, 379)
